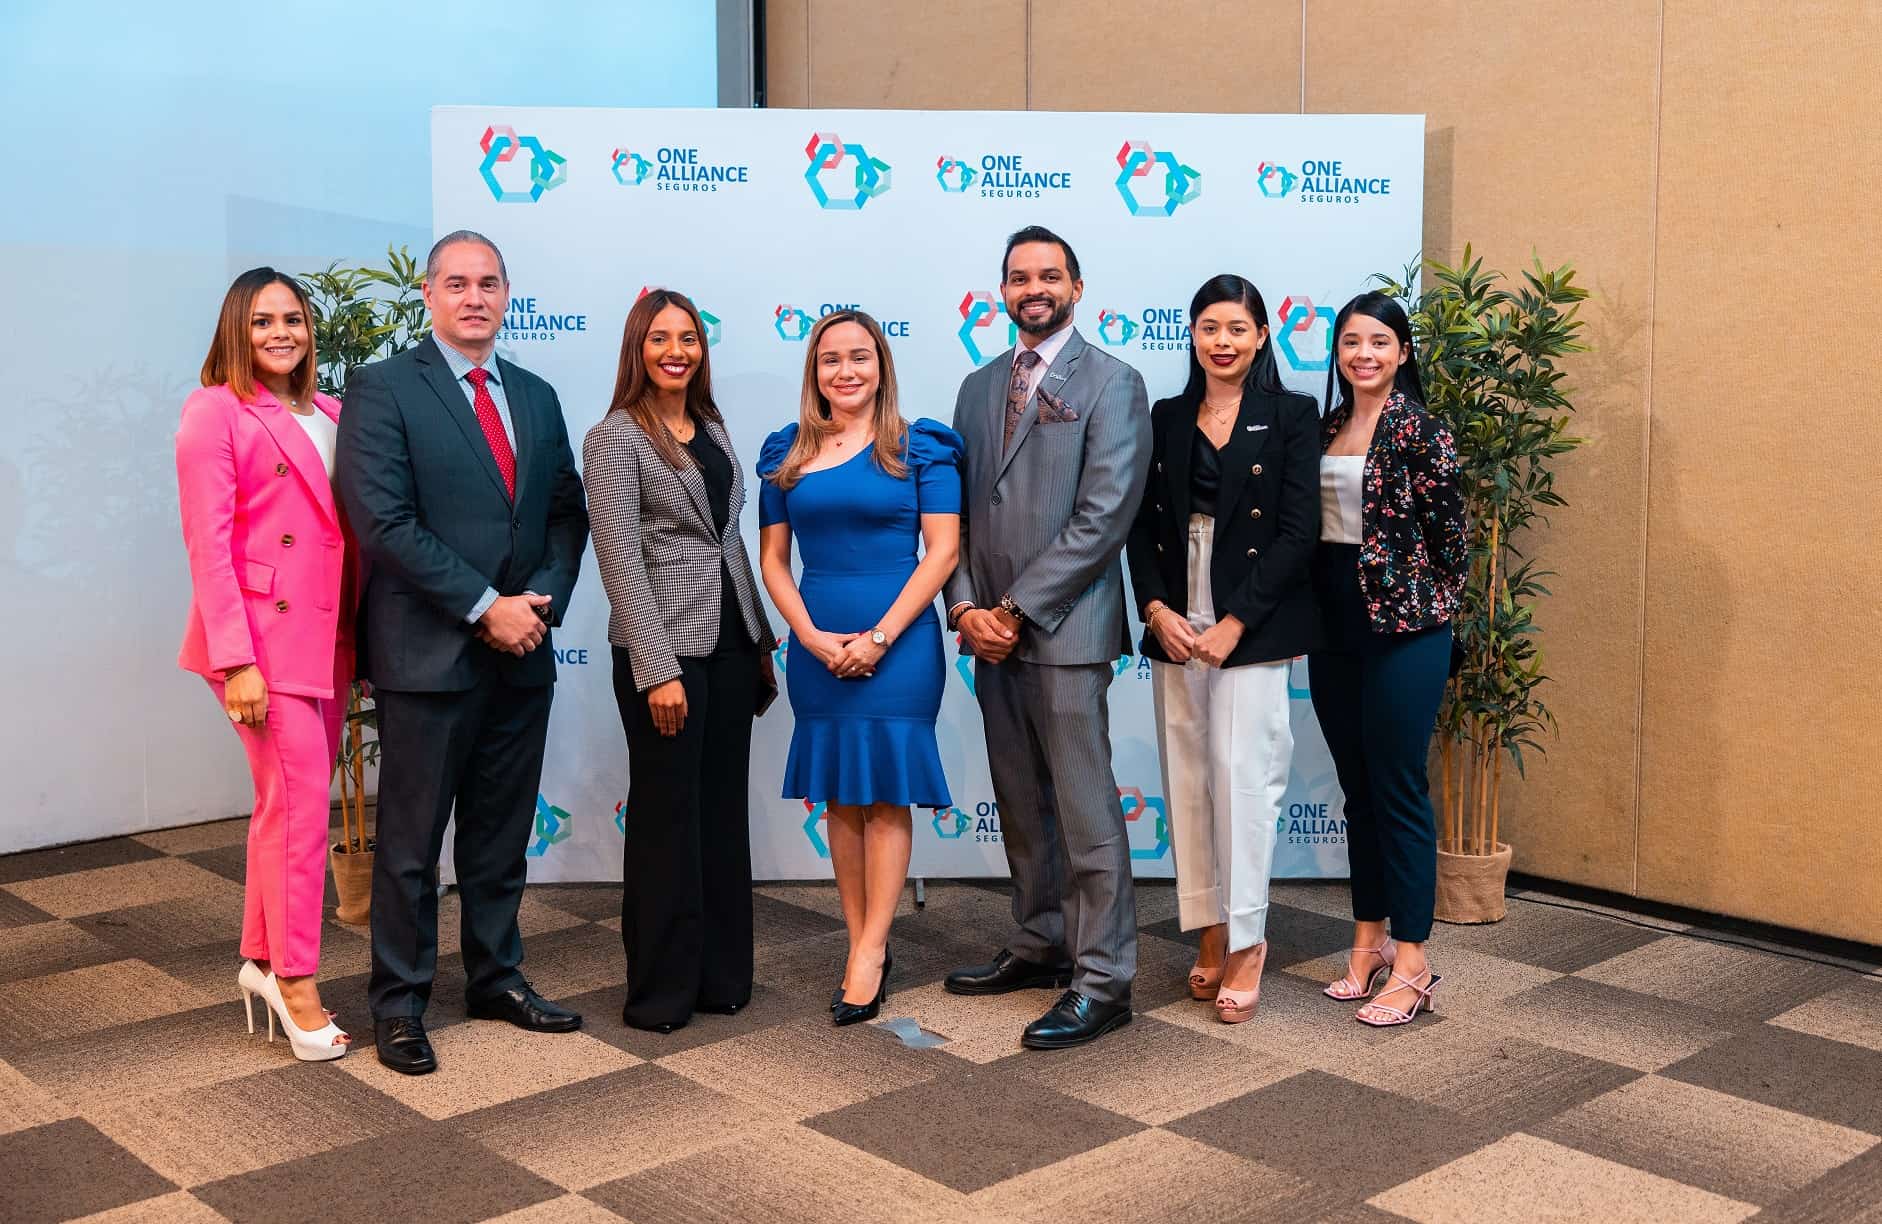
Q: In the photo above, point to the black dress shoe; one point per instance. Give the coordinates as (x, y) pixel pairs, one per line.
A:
(402, 1045)
(1074, 1020)
(523, 1007)
(1005, 974)
(720, 1009)
(843, 1013)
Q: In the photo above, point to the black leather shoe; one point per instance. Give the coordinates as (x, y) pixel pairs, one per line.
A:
(1006, 974)
(402, 1045)
(662, 1027)
(844, 1013)
(1074, 1020)
(523, 1007)
(720, 1009)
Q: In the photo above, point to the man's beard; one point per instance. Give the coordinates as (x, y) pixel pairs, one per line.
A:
(1049, 324)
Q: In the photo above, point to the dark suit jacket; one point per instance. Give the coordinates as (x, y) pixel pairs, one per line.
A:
(1267, 524)
(423, 493)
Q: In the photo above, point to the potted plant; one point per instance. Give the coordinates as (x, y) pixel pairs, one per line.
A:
(1489, 357)
(361, 314)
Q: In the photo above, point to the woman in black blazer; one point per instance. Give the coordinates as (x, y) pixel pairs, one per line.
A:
(1219, 559)
(692, 663)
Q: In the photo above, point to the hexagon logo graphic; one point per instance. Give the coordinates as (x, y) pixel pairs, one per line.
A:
(553, 826)
(964, 668)
(1136, 805)
(791, 323)
(951, 823)
(812, 829)
(1296, 337)
(954, 175)
(631, 169)
(547, 168)
(978, 310)
(1116, 328)
(843, 176)
(1274, 180)
(620, 818)
(1142, 171)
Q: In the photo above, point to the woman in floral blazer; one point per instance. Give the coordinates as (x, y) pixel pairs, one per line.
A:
(1390, 571)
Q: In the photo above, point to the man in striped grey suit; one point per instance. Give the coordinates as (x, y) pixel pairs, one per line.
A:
(1058, 441)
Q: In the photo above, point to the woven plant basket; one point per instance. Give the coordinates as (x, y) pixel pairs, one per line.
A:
(1470, 886)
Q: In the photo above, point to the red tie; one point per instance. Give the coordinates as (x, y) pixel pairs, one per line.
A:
(492, 424)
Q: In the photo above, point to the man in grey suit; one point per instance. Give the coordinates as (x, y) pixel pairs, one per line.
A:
(1058, 440)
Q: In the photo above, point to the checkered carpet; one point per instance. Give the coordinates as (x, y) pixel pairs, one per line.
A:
(1579, 1068)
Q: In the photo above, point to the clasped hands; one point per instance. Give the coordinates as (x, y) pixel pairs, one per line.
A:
(1182, 643)
(849, 656)
(990, 633)
(513, 625)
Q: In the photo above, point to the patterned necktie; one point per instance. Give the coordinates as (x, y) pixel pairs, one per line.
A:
(486, 409)
(1016, 392)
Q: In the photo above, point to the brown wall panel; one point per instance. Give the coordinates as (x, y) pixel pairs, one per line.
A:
(787, 52)
(1761, 705)
(1166, 55)
(936, 55)
(1514, 166)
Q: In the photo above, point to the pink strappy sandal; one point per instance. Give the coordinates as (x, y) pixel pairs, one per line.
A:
(1392, 1016)
(1349, 988)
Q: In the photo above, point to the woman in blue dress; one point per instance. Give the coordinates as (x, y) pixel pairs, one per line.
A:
(860, 488)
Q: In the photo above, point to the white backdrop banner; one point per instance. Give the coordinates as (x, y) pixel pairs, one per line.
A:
(768, 219)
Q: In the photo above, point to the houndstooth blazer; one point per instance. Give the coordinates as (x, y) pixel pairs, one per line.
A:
(658, 556)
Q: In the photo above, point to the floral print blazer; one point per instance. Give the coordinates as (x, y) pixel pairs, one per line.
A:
(1415, 554)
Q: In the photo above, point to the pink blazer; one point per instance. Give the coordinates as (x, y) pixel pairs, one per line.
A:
(271, 559)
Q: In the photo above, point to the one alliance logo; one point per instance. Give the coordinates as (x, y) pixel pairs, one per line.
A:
(951, 823)
(547, 169)
(1001, 176)
(553, 826)
(843, 176)
(1304, 334)
(793, 323)
(1320, 181)
(978, 311)
(1155, 328)
(676, 169)
(1155, 184)
(526, 321)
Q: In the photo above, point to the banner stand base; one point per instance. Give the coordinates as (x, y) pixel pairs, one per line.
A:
(921, 893)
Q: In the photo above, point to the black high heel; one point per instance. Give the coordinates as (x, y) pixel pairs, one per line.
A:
(842, 1013)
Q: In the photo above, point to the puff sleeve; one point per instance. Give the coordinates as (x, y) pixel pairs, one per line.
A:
(934, 458)
(771, 499)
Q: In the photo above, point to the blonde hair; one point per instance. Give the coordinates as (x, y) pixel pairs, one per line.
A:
(814, 422)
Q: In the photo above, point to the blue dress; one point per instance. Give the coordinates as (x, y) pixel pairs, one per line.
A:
(866, 740)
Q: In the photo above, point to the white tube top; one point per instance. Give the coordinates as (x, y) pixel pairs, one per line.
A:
(1341, 518)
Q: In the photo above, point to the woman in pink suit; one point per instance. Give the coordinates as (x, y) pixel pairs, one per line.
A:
(271, 622)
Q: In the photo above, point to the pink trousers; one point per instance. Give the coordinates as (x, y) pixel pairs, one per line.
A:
(291, 757)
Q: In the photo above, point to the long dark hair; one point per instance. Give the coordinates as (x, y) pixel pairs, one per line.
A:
(1263, 374)
(633, 387)
(1386, 310)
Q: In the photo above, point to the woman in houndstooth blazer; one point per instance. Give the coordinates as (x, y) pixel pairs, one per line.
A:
(692, 665)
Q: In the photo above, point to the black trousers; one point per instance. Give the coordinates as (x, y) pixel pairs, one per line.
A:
(686, 905)
(1376, 696)
(478, 752)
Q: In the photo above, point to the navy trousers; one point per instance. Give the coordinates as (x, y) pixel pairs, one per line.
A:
(1377, 696)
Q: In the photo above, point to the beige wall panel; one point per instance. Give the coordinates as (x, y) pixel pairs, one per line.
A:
(1166, 55)
(1514, 163)
(787, 52)
(938, 54)
(1762, 707)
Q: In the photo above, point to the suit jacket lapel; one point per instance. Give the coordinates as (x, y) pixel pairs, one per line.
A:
(1254, 425)
(457, 407)
(297, 446)
(1057, 375)
(522, 421)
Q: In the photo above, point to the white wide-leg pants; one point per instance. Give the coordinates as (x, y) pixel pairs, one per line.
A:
(1227, 749)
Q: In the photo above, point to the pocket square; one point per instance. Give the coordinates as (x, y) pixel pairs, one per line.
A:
(1053, 410)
